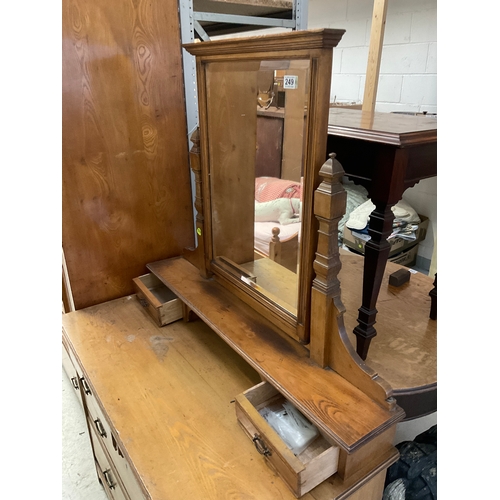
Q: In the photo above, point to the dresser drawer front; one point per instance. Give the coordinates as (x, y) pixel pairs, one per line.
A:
(113, 494)
(301, 473)
(102, 429)
(105, 470)
(126, 474)
(72, 373)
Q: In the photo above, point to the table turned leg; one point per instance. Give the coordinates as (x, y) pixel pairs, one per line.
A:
(376, 254)
(433, 295)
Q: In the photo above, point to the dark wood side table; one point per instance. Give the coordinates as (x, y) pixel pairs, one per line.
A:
(386, 153)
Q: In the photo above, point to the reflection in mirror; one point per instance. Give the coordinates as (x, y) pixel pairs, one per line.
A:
(256, 115)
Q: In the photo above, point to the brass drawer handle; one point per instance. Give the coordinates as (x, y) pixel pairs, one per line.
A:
(109, 479)
(74, 381)
(86, 387)
(261, 446)
(115, 445)
(100, 428)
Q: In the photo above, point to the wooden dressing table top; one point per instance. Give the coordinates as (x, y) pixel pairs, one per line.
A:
(387, 128)
(168, 394)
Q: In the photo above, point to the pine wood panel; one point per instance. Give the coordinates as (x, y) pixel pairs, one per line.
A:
(169, 393)
(374, 55)
(126, 186)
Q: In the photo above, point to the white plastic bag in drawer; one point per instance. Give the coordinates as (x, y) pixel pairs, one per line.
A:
(295, 430)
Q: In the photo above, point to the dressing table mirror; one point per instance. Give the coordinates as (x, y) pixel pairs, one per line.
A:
(261, 142)
(263, 113)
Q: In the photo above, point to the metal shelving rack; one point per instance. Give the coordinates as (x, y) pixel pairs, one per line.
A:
(201, 19)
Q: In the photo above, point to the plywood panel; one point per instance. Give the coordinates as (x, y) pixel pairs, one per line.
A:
(126, 185)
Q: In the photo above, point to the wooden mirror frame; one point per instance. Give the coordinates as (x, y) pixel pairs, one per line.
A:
(316, 46)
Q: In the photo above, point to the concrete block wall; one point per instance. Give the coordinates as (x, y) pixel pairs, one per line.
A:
(408, 67)
(408, 72)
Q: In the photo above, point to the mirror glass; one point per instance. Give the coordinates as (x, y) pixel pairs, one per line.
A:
(257, 115)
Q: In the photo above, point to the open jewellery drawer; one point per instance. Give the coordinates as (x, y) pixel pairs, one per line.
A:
(301, 473)
(160, 302)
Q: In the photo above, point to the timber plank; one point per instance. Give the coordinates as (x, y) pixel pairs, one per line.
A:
(126, 193)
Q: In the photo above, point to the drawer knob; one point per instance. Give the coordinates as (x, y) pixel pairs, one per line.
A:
(143, 302)
(261, 446)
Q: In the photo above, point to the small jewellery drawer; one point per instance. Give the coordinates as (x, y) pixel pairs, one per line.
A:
(161, 303)
(301, 473)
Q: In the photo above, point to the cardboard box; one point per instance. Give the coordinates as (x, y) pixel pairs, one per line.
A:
(398, 245)
(407, 258)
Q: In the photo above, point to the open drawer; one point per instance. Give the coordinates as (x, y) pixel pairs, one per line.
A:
(301, 473)
(161, 303)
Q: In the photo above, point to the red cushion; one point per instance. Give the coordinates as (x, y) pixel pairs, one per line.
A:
(272, 188)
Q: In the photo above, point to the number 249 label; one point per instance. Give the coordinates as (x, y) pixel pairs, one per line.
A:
(290, 82)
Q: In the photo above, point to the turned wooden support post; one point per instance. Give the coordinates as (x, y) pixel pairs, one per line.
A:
(376, 254)
(198, 256)
(194, 158)
(329, 208)
(385, 190)
(274, 245)
(330, 345)
(434, 297)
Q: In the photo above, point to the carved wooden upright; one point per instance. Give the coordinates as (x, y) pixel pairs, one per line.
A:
(330, 345)
(329, 207)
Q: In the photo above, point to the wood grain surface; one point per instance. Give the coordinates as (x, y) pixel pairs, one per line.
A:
(345, 414)
(404, 352)
(168, 394)
(388, 128)
(125, 175)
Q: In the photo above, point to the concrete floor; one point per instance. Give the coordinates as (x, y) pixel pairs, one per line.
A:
(79, 477)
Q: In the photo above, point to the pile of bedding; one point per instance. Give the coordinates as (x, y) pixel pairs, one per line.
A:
(359, 208)
(272, 188)
(278, 204)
